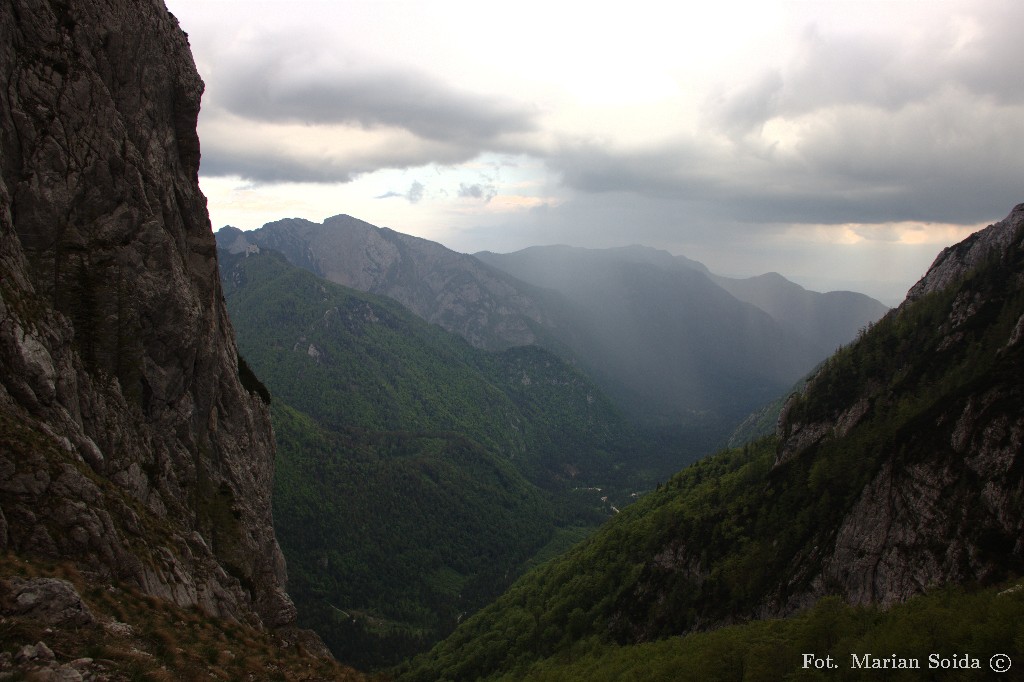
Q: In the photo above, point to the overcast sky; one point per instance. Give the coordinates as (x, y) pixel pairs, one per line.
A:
(840, 143)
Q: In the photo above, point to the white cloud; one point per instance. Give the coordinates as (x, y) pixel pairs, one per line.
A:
(694, 125)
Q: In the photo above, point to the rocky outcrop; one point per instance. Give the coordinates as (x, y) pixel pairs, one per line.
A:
(955, 261)
(950, 518)
(946, 494)
(50, 601)
(128, 444)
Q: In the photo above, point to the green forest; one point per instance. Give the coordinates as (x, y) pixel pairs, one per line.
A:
(417, 476)
(948, 627)
(743, 532)
(392, 536)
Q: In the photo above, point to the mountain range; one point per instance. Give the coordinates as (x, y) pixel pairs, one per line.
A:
(714, 348)
(353, 371)
(343, 362)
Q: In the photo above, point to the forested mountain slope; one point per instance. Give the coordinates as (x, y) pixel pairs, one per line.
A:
(416, 474)
(898, 470)
(354, 360)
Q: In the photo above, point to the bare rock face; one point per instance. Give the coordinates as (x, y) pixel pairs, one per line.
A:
(945, 501)
(48, 600)
(127, 441)
(950, 518)
(955, 261)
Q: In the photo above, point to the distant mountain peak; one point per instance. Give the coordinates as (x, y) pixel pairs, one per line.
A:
(485, 306)
(774, 277)
(233, 240)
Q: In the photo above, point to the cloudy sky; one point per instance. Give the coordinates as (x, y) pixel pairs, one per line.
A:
(841, 143)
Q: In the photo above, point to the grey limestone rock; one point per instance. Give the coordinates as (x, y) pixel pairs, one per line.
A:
(458, 292)
(48, 600)
(126, 431)
(34, 652)
(951, 512)
(955, 261)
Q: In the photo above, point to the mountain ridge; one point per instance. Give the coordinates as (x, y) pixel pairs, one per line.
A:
(828, 320)
(714, 376)
(440, 285)
(705, 348)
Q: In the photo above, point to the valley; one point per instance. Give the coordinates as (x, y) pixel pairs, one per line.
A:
(416, 474)
(674, 350)
(894, 472)
(404, 444)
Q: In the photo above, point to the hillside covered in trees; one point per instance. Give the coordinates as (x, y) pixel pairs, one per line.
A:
(896, 475)
(416, 475)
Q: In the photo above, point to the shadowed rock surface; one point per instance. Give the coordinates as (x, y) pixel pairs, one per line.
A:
(128, 444)
(945, 500)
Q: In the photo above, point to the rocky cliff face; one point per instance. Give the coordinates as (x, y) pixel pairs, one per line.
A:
(956, 261)
(128, 444)
(939, 378)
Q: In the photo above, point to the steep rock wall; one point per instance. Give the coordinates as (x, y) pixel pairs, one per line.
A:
(127, 441)
(946, 494)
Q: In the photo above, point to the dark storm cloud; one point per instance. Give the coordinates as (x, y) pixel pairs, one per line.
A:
(830, 69)
(823, 186)
(270, 166)
(990, 64)
(851, 129)
(279, 88)
(921, 123)
(680, 170)
(410, 119)
(264, 154)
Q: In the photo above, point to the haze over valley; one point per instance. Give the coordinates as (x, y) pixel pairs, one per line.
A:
(660, 334)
